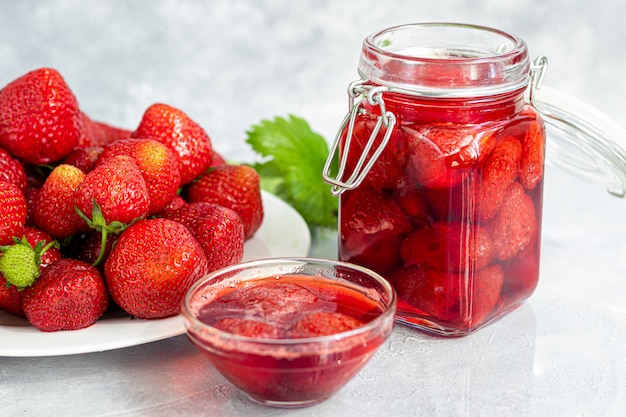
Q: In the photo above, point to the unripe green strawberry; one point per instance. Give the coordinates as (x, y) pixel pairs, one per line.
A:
(19, 264)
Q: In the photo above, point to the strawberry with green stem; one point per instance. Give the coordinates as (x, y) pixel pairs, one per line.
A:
(20, 263)
(115, 195)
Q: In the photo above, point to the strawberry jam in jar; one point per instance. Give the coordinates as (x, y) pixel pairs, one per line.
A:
(440, 173)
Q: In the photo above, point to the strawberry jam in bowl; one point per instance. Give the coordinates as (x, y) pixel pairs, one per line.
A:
(289, 332)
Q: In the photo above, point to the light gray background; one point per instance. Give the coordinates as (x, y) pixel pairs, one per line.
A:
(229, 64)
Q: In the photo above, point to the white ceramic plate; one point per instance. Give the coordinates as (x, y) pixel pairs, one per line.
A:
(283, 233)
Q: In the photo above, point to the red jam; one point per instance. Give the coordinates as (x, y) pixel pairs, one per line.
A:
(301, 362)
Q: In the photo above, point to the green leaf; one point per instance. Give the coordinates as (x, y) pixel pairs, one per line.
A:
(294, 158)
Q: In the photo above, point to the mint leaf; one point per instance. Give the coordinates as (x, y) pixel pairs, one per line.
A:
(294, 157)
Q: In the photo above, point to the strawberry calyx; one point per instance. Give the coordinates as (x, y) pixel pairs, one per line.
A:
(20, 262)
(99, 224)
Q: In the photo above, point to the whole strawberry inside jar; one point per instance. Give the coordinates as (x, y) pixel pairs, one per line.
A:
(440, 177)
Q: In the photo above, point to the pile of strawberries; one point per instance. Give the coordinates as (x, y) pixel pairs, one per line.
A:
(94, 216)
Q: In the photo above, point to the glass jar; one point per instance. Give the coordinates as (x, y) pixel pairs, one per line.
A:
(441, 169)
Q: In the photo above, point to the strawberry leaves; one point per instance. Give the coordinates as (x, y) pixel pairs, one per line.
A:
(294, 159)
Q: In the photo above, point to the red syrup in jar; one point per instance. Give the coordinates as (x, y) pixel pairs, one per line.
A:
(440, 173)
(450, 212)
(287, 350)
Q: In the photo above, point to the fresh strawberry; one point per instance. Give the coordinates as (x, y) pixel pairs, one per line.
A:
(112, 196)
(185, 137)
(217, 159)
(463, 300)
(176, 203)
(323, 323)
(248, 328)
(54, 210)
(151, 267)
(454, 246)
(31, 195)
(83, 157)
(99, 134)
(13, 209)
(69, 295)
(498, 173)
(11, 298)
(118, 188)
(515, 226)
(237, 187)
(52, 252)
(12, 170)
(88, 247)
(40, 120)
(218, 229)
(533, 150)
(389, 169)
(157, 164)
(372, 228)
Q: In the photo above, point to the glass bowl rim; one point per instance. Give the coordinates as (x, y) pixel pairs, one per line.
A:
(367, 327)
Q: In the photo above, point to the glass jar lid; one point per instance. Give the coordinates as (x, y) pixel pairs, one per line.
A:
(446, 60)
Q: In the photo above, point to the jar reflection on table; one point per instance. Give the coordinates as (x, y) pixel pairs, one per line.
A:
(450, 209)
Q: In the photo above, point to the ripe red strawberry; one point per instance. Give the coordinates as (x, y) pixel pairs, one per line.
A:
(52, 253)
(389, 169)
(119, 189)
(372, 228)
(68, 295)
(451, 246)
(533, 149)
(461, 300)
(515, 226)
(10, 298)
(12, 170)
(217, 159)
(99, 134)
(83, 157)
(40, 120)
(32, 196)
(218, 229)
(323, 323)
(248, 328)
(13, 209)
(157, 164)
(498, 173)
(87, 249)
(185, 137)
(237, 187)
(151, 267)
(54, 210)
(176, 203)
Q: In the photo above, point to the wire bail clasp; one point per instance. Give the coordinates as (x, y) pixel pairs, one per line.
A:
(537, 74)
(357, 92)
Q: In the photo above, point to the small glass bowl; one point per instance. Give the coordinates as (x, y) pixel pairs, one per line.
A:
(291, 372)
